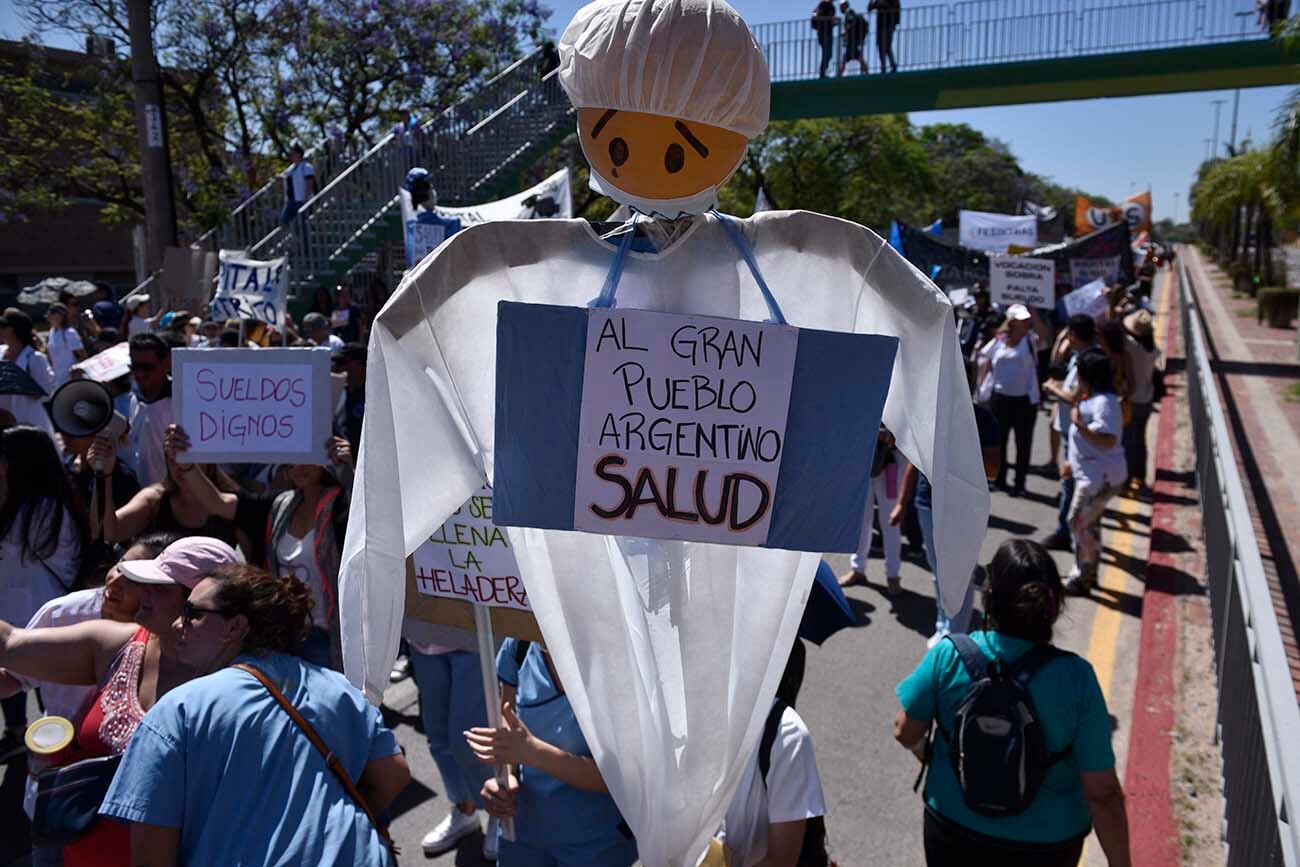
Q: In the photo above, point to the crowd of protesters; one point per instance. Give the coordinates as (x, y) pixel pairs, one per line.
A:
(143, 599)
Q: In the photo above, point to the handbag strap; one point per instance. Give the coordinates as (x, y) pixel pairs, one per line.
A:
(330, 759)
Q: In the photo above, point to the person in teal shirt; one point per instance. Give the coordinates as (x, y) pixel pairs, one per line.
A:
(1021, 603)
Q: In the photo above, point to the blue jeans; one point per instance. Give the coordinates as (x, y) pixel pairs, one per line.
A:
(1063, 507)
(451, 702)
(943, 624)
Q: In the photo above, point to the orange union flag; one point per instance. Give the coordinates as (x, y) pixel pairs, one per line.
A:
(1135, 209)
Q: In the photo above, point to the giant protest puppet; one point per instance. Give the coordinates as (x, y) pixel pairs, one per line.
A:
(668, 586)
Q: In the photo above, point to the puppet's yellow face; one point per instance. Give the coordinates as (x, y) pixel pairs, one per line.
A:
(657, 157)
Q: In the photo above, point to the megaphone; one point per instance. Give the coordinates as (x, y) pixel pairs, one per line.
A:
(84, 408)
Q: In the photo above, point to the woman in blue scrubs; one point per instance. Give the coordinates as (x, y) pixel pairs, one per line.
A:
(564, 816)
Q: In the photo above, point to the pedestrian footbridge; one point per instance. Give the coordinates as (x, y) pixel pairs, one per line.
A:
(1005, 52)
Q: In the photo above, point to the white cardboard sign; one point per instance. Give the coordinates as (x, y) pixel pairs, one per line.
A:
(1021, 280)
(1090, 300)
(250, 289)
(113, 363)
(994, 233)
(253, 405)
(682, 425)
(469, 558)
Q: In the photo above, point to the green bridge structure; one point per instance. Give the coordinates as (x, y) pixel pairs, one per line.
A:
(950, 55)
(1007, 52)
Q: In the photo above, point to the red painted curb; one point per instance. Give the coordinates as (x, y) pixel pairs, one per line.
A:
(1153, 836)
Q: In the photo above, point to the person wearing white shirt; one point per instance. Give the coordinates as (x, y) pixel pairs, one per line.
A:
(1096, 463)
(138, 319)
(151, 407)
(20, 348)
(64, 343)
(1081, 334)
(777, 812)
(1009, 385)
(316, 328)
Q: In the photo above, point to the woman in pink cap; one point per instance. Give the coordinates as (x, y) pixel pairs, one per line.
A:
(132, 665)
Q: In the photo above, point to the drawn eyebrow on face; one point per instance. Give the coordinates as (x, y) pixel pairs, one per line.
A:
(685, 132)
(600, 124)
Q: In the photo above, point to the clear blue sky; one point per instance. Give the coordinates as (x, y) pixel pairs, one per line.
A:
(1109, 146)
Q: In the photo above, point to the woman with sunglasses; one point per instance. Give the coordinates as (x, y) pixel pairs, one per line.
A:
(132, 666)
(222, 753)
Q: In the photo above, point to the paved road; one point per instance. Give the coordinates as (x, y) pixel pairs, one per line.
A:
(848, 700)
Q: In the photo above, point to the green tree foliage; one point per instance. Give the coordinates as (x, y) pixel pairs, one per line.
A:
(243, 79)
(881, 167)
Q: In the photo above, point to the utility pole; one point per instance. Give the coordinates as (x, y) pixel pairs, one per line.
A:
(1207, 148)
(1218, 104)
(1176, 196)
(1236, 104)
(151, 126)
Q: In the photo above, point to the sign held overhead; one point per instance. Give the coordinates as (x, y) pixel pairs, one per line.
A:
(1021, 280)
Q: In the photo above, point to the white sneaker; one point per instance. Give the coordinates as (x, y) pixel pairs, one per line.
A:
(490, 838)
(401, 668)
(450, 831)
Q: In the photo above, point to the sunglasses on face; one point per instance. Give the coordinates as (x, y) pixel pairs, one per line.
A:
(191, 612)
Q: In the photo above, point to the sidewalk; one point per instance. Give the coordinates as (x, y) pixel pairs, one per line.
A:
(1256, 365)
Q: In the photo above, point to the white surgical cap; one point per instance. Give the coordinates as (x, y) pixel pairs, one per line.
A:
(693, 59)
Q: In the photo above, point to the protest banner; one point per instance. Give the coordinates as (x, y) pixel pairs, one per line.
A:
(113, 363)
(1090, 300)
(683, 419)
(253, 405)
(423, 237)
(980, 230)
(467, 562)
(1022, 280)
(684, 427)
(1087, 270)
(1135, 210)
(550, 199)
(250, 289)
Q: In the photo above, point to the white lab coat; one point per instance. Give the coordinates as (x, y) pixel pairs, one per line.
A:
(670, 652)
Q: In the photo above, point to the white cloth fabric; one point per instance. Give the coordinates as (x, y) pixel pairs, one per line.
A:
(691, 59)
(669, 652)
(62, 344)
(793, 792)
(298, 557)
(25, 583)
(1141, 369)
(60, 699)
(149, 423)
(138, 325)
(1013, 370)
(1090, 464)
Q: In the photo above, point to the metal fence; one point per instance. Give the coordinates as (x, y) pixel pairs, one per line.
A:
(1258, 715)
(975, 32)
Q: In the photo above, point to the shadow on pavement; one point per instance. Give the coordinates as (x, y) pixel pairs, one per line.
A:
(1015, 528)
(913, 610)
(415, 794)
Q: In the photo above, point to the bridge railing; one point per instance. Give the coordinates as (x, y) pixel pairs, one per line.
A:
(976, 32)
(1258, 716)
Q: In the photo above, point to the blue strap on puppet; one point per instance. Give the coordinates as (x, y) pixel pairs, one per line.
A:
(734, 234)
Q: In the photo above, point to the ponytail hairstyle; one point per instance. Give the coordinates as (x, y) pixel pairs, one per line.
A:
(1024, 595)
(792, 679)
(278, 609)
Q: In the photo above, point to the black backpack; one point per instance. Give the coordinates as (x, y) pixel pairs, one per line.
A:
(813, 852)
(997, 744)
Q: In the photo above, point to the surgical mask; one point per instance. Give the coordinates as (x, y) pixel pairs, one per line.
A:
(668, 209)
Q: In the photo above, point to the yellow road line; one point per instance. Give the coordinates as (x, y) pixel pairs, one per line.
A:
(1103, 643)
